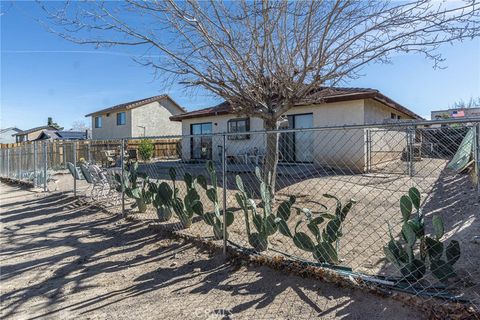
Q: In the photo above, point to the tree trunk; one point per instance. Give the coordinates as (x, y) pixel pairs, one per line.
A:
(271, 153)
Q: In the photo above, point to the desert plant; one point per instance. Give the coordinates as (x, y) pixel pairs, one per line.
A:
(268, 223)
(322, 247)
(134, 187)
(173, 176)
(145, 149)
(215, 218)
(191, 204)
(413, 267)
(163, 199)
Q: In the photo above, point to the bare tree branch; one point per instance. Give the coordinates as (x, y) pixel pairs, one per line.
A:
(264, 56)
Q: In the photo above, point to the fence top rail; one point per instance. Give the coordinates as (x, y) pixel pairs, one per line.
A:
(390, 125)
(387, 125)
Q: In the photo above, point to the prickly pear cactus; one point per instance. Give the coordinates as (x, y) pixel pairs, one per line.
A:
(321, 242)
(432, 252)
(266, 223)
(215, 218)
(162, 200)
(136, 186)
(190, 205)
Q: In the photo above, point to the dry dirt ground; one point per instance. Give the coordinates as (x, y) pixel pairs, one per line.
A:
(63, 260)
(451, 196)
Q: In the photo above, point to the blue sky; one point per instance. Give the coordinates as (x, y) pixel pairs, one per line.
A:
(43, 75)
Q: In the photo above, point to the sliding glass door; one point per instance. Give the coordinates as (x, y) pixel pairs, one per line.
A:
(201, 146)
(303, 139)
(297, 146)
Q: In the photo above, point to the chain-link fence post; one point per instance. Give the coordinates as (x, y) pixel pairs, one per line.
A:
(476, 154)
(368, 145)
(413, 139)
(8, 162)
(19, 163)
(35, 160)
(410, 151)
(224, 185)
(45, 165)
(5, 163)
(74, 147)
(122, 175)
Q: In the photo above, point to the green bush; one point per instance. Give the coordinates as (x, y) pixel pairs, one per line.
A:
(145, 149)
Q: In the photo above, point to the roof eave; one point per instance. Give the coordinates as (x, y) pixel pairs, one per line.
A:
(373, 94)
(347, 97)
(105, 111)
(181, 117)
(394, 105)
(115, 109)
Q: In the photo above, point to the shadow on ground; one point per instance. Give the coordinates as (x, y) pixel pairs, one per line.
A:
(64, 259)
(453, 197)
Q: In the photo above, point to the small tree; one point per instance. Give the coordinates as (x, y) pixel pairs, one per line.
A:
(53, 124)
(264, 57)
(79, 125)
(472, 103)
(145, 149)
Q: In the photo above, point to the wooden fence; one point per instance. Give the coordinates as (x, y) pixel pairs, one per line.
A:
(60, 152)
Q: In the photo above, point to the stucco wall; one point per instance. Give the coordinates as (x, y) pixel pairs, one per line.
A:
(342, 149)
(155, 118)
(339, 149)
(376, 112)
(219, 125)
(386, 144)
(6, 137)
(109, 129)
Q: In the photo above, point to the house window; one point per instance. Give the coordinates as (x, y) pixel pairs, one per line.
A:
(121, 118)
(398, 117)
(98, 122)
(239, 125)
(393, 116)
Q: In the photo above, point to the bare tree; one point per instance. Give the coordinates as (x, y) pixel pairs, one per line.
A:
(79, 125)
(263, 57)
(471, 103)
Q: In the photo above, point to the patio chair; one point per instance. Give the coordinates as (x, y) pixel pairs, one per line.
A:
(108, 184)
(74, 171)
(86, 174)
(112, 186)
(97, 182)
(109, 157)
(243, 156)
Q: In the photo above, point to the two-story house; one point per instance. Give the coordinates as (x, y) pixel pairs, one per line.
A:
(140, 118)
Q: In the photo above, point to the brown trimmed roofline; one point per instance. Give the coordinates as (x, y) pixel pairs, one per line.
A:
(330, 96)
(135, 104)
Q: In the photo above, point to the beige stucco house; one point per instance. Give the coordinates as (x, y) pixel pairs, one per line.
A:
(339, 148)
(140, 118)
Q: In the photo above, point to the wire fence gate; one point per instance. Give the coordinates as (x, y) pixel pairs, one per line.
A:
(395, 205)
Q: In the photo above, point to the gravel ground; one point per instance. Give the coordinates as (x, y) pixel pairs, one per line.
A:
(63, 260)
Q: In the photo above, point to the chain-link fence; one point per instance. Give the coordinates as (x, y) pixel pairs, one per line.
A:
(394, 205)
